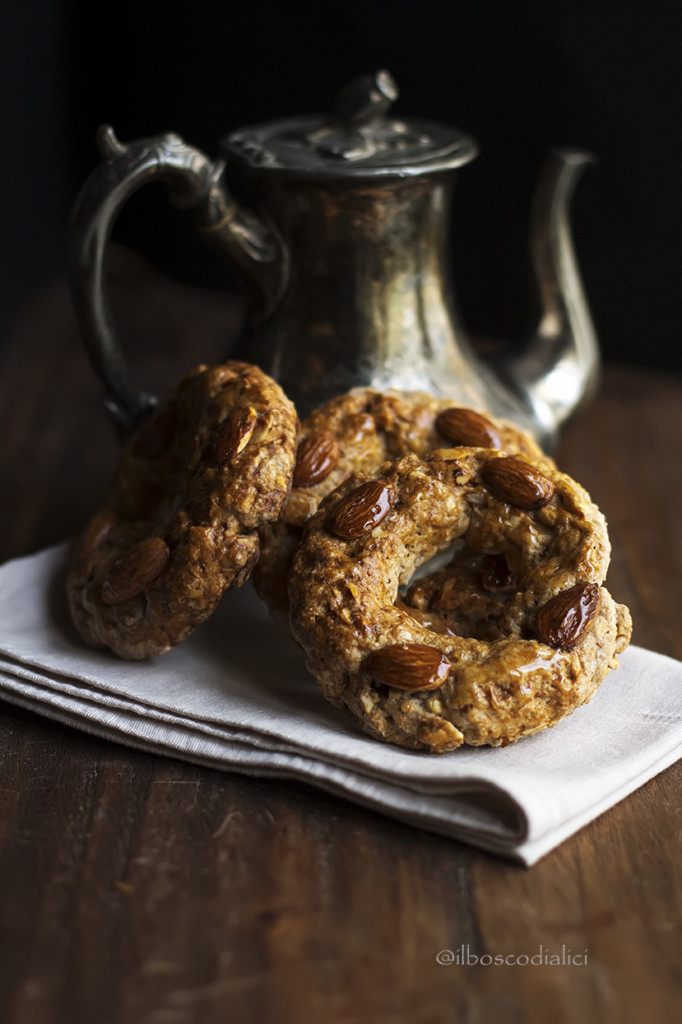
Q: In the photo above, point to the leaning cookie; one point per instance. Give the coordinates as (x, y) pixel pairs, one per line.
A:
(401, 673)
(356, 433)
(180, 523)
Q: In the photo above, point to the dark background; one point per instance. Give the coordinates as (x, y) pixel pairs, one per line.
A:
(518, 76)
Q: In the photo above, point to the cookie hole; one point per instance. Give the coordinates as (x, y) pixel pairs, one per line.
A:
(467, 596)
(435, 564)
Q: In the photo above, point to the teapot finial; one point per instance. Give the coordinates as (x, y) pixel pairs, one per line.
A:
(365, 99)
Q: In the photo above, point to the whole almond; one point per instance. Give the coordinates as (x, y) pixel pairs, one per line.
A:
(316, 457)
(565, 619)
(137, 567)
(517, 482)
(362, 509)
(408, 666)
(466, 427)
(233, 435)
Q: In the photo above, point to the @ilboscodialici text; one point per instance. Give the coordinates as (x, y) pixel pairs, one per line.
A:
(543, 956)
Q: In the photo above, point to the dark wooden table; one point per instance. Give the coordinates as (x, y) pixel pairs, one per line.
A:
(142, 890)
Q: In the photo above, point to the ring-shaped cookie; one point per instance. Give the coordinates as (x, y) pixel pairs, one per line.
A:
(558, 634)
(356, 433)
(179, 524)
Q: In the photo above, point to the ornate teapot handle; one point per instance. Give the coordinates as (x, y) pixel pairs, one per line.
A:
(248, 239)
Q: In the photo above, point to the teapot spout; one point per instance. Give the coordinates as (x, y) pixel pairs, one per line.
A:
(557, 369)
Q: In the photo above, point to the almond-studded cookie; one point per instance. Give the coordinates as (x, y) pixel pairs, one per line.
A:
(180, 523)
(512, 636)
(356, 433)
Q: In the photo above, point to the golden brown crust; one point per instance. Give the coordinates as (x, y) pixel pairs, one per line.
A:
(179, 525)
(503, 683)
(370, 427)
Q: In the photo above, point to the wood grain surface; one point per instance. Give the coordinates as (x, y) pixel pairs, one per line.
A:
(142, 890)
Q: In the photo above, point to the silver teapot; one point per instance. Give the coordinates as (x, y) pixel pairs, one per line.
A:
(344, 257)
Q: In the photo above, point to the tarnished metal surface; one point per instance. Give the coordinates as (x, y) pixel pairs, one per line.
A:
(346, 247)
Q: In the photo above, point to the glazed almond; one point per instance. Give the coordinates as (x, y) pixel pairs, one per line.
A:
(409, 667)
(469, 428)
(565, 619)
(233, 434)
(517, 482)
(361, 510)
(137, 567)
(316, 457)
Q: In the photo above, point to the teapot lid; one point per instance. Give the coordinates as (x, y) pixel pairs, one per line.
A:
(357, 140)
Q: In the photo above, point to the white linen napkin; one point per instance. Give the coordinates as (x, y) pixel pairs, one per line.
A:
(236, 696)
